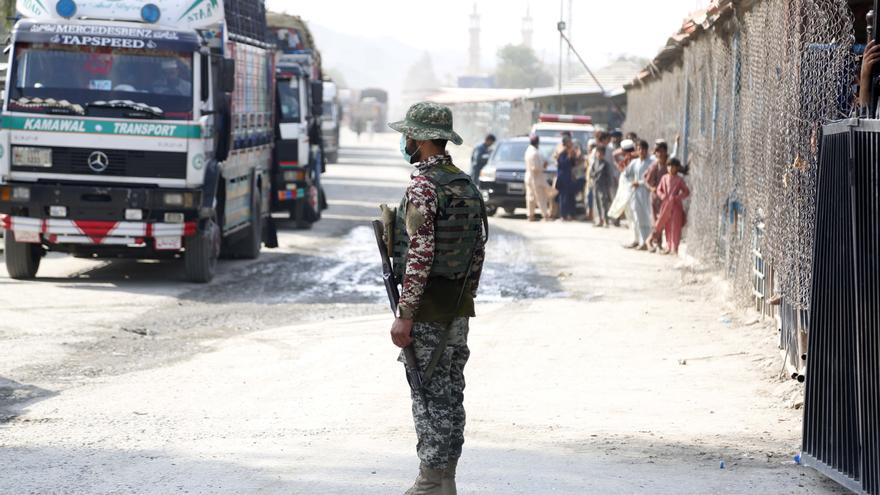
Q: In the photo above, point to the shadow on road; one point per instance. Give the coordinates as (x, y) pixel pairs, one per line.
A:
(14, 397)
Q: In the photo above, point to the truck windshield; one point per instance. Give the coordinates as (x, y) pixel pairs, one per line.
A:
(84, 75)
(288, 101)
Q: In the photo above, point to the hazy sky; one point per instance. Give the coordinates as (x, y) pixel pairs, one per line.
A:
(602, 29)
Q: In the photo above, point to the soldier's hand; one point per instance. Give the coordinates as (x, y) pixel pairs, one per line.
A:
(401, 332)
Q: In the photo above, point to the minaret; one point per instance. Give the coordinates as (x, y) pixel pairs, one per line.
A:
(474, 65)
(527, 28)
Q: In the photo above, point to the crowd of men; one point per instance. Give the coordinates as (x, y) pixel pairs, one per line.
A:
(616, 177)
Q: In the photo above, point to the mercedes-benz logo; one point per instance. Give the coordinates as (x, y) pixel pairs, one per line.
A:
(98, 161)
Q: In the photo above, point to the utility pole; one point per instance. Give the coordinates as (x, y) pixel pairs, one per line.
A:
(570, 37)
(561, 27)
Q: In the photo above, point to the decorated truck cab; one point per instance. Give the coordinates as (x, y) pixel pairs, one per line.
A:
(299, 145)
(134, 129)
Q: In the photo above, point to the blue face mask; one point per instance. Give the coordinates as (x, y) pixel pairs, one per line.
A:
(406, 154)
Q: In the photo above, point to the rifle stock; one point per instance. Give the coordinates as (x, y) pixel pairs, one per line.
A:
(413, 375)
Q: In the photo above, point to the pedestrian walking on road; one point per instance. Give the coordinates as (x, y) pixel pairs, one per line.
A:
(439, 245)
(640, 201)
(537, 189)
(480, 157)
(566, 183)
(673, 190)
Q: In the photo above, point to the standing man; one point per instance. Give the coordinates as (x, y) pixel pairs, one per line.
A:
(439, 246)
(536, 180)
(616, 138)
(480, 157)
(603, 179)
(640, 202)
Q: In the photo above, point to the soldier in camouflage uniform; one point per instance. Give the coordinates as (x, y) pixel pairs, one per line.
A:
(440, 235)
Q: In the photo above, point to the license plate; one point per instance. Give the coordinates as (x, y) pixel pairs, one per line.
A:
(168, 243)
(516, 188)
(29, 237)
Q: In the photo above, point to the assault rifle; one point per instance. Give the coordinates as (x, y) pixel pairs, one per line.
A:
(413, 375)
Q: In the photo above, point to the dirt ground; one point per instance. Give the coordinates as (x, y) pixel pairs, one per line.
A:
(593, 370)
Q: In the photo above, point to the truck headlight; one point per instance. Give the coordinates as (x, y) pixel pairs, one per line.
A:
(487, 174)
(21, 194)
(173, 199)
(29, 156)
(178, 199)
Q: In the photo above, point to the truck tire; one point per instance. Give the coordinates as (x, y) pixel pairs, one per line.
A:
(332, 157)
(202, 252)
(249, 246)
(491, 210)
(22, 259)
(509, 210)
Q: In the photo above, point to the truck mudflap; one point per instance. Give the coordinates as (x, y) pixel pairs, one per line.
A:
(166, 236)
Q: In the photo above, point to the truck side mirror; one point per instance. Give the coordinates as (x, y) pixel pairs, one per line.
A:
(227, 75)
(317, 91)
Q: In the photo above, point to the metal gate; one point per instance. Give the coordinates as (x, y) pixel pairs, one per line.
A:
(842, 409)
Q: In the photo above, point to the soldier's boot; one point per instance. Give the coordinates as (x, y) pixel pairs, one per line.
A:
(428, 482)
(448, 481)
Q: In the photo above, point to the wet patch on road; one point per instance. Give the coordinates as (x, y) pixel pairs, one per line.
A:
(351, 273)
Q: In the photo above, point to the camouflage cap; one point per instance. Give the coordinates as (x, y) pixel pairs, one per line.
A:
(425, 121)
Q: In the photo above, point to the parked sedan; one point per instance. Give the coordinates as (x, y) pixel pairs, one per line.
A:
(502, 180)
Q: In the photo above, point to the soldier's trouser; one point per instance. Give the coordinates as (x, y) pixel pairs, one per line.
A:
(439, 417)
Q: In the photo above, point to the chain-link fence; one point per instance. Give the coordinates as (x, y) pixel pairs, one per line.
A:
(748, 95)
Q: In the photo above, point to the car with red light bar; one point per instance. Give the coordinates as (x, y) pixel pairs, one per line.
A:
(553, 125)
(502, 180)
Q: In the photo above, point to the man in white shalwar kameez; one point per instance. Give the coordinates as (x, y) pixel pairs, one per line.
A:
(537, 189)
(640, 202)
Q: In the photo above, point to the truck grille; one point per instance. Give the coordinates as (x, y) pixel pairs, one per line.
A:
(120, 163)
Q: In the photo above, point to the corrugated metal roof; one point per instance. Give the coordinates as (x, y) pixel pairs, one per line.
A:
(692, 27)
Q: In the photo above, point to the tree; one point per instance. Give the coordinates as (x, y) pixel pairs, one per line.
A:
(421, 75)
(519, 67)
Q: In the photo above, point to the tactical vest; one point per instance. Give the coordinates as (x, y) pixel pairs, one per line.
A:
(458, 226)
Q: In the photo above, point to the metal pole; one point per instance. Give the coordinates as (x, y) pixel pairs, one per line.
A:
(561, 27)
(595, 79)
(570, 31)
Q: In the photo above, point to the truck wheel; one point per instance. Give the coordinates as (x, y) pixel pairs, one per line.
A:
(249, 246)
(202, 252)
(22, 259)
(332, 157)
(510, 211)
(491, 210)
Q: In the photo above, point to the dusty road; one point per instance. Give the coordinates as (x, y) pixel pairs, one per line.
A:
(593, 370)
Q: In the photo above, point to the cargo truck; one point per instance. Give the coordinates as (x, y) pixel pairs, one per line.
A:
(135, 129)
(299, 149)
